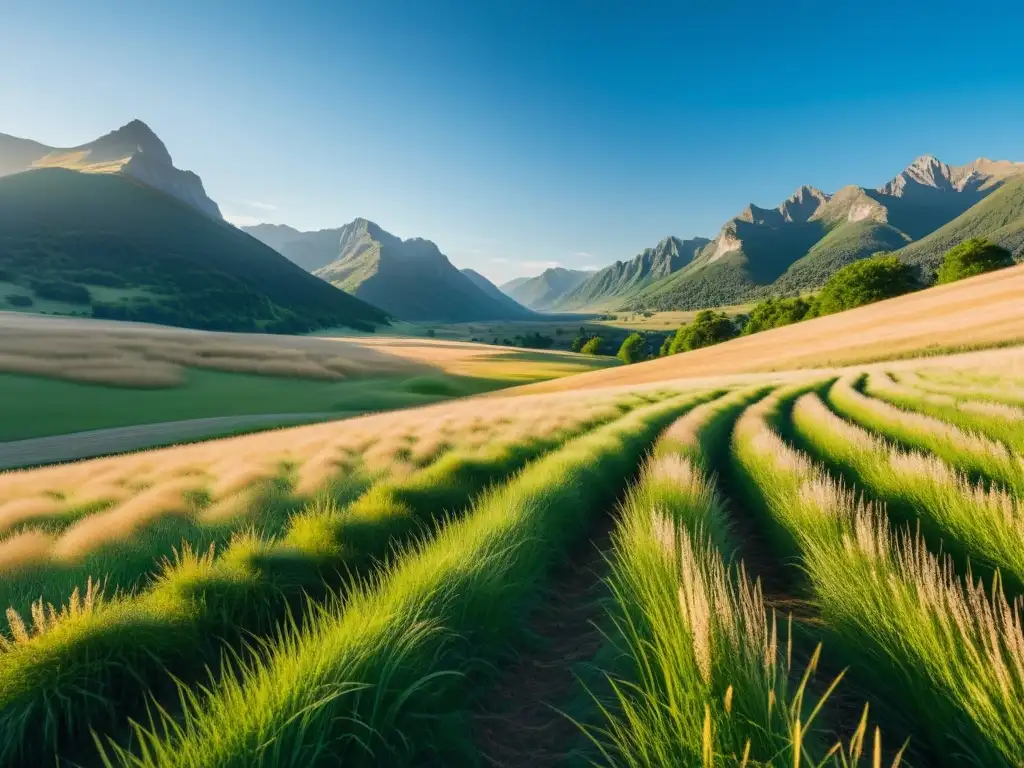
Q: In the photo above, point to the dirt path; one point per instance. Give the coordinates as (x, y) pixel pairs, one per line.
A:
(103, 442)
(520, 724)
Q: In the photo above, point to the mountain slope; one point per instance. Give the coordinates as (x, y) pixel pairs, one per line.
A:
(800, 244)
(492, 290)
(132, 150)
(999, 217)
(410, 279)
(153, 258)
(612, 285)
(544, 291)
(310, 250)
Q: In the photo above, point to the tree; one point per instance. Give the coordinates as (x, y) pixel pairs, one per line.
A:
(866, 281)
(774, 313)
(632, 349)
(973, 257)
(593, 346)
(708, 327)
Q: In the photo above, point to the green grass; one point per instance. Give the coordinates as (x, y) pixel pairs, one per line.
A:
(995, 421)
(70, 677)
(939, 651)
(978, 456)
(980, 527)
(700, 674)
(33, 406)
(387, 680)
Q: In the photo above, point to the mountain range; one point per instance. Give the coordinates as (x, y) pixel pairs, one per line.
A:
(544, 291)
(112, 229)
(919, 214)
(410, 279)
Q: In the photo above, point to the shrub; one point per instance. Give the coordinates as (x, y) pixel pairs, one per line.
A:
(632, 349)
(19, 300)
(58, 290)
(973, 257)
(593, 346)
(708, 327)
(882, 276)
(774, 313)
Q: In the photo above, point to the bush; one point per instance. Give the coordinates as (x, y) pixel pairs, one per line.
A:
(708, 327)
(882, 276)
(632, 349)
(592, 346)
(774, 313)
(19, 300)
(58, 290)
(973, 257)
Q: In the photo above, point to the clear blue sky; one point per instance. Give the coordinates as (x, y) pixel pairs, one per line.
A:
(521, 133)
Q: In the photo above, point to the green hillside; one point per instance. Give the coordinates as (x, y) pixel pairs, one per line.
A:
(410, 279)
(999, 217)
(546, 289)
(109, 246)
(613, 285)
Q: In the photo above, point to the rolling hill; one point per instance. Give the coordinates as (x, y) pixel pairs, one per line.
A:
(609, 287)
(799, 244)
(109, 245)
(132, 150)
(410, 279)
(544, 291)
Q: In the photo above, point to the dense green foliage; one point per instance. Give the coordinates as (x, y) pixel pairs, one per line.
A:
(632, 349)
(592, 346)
(774, 313)
(883, 276)
(62, 231)
(707, 328)
(973, 257)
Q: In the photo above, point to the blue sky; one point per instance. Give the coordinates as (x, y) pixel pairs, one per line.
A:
(519, 135)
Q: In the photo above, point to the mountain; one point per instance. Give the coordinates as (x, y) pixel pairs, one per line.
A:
(801, 243)
(112, 246)
(492, 290)
(310, 250)
(410, 279)
(999, 217)
(543, 291)
(611, 286)
(132, 150)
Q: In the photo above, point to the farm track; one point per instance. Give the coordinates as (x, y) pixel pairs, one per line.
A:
(76, 446)
(521, 724)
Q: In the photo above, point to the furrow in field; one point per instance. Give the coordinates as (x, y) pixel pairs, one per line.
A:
(698, 672)
(978, 526)
(1008, 394)
(939, 650)
(979, 456)
(96, 661)
(996, 421)
(386, 681)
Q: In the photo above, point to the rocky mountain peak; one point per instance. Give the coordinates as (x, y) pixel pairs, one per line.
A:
(131, 138)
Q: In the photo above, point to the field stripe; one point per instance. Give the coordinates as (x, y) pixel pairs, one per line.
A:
(54, 449)
(997, 421)
(938, 650)
(201, 601)
(975, 454)
(385, 681)
(979, 526)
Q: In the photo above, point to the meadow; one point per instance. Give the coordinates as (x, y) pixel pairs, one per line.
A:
(806, 567)
(817, 568)
(63, 375)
